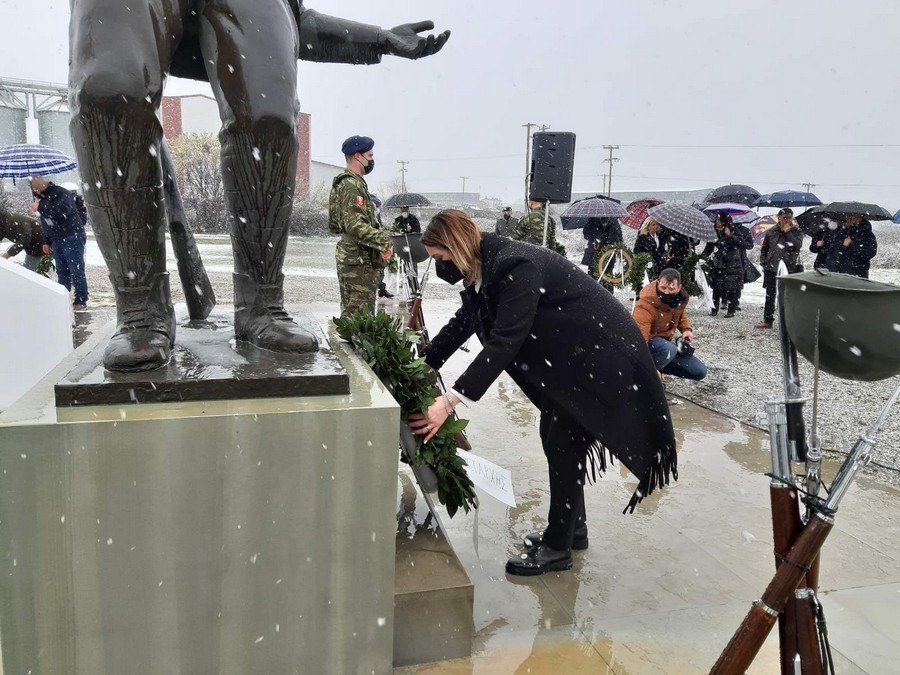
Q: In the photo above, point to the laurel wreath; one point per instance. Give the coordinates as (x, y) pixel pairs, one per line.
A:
(388, 349)
(598, 259)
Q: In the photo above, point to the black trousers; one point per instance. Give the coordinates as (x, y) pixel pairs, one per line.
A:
(728, 297)
(769, 281)
(565, 445)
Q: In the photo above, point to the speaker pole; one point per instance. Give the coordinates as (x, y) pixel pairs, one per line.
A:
(527, 126)
(546, 220)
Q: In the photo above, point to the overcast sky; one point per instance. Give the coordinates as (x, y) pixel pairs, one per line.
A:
(696, 92)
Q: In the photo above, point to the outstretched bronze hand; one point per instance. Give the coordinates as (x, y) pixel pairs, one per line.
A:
(404, 40)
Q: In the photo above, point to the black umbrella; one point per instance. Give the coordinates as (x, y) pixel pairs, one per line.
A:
(742, 194)
(788, 198)
(867, 211)
(406, 199)
(816, 219)
(576, 216)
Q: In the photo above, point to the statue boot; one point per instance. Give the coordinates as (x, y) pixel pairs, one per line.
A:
(145, 332)
(261, 320)
(129, 225)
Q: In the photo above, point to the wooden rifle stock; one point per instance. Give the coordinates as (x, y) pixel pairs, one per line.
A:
(753, 631)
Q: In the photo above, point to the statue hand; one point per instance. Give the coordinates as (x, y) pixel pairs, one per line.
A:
(405, 41)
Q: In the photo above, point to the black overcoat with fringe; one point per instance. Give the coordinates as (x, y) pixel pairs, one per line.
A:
(562, 337)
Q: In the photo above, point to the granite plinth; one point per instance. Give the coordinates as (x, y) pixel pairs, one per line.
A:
(207, 363)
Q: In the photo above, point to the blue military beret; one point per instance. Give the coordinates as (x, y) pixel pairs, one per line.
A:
(356, 144)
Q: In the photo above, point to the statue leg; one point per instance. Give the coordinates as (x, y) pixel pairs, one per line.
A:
(117, 57)
(254, 79)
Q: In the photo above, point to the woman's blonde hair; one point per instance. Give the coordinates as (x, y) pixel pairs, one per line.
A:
(645, 226)
(455, 231)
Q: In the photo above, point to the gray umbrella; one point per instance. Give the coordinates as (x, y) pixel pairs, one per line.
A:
(406, 199)
(576, 216)
(684, 219)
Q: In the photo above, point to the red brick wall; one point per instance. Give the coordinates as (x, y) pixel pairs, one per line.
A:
(171, 116)
(302, 182)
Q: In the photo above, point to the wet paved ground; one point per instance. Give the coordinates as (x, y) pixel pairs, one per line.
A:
(660, 590)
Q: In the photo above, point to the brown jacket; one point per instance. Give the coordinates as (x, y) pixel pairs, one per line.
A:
(657, 319)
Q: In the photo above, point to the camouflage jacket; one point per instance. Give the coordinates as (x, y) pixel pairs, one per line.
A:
(351, 214)
(530, 229)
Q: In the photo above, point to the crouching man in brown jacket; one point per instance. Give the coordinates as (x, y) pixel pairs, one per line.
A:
(661, 309)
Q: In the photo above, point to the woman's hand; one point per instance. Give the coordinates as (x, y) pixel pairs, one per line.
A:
(428, 422)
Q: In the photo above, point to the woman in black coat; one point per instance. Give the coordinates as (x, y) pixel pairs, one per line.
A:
(648, 241)
(574, 351)
(727, 263)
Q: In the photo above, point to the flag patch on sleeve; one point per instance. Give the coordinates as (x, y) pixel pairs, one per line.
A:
(359, 200)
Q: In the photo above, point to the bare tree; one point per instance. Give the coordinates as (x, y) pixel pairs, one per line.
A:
(199, 177)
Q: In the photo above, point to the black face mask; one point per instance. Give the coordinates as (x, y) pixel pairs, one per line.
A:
(369, 167)
(670, 299)
(447, 271)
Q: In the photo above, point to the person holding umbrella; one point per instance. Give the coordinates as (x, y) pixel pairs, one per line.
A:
(407, 222)
(853, 246)
(574, 351)
(781, 244)
(64, 236)
(727, 264)
(599, 233)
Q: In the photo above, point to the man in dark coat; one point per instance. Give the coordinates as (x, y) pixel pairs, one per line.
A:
(576, 354)
(674, 248)
(598, 234)
(26, 235)
(120, 56)
(64, 236)
(781, 244)
(407, 222)
(852, 247)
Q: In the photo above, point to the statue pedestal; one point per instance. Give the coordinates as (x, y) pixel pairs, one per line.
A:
(219, 536)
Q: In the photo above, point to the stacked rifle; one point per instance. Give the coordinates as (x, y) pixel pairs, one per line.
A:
(840, 323)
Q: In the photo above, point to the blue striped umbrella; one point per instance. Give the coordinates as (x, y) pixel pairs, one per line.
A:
(25, 160)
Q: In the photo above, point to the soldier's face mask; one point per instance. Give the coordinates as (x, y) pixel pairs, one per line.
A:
(368, 166)
(447, 270)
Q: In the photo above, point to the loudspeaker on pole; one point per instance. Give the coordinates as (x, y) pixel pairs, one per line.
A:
(552, 161)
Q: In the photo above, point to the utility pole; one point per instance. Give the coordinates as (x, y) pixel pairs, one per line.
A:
(610, 160)
(402, 163)
(464, 189)
(527, 126)
(808, 186)
(604, 182)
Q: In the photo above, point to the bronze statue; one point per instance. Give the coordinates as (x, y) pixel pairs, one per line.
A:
(120, 54)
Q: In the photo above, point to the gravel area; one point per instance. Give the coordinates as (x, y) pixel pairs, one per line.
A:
(744, 362)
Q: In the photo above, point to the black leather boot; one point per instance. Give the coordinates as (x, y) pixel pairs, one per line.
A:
(539, 560)
(260, 319)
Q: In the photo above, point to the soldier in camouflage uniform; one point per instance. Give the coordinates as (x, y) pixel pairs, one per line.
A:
(363, 250)
(530, 228)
